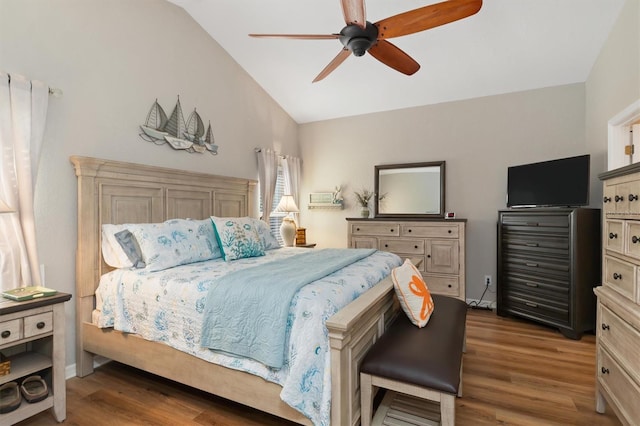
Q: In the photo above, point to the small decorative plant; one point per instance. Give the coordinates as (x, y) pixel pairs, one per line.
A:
(363, 197)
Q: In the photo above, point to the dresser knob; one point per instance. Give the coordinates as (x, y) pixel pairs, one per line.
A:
(449, 231)
(409, 230)
(415, 247)
(386, 245)
(604, 370)
(619, 198)
(617, 276)
(605, 326)
(635, 239)
(391, 230)
(429, 256)
(612, 235)
(40, 325)
(449, 286)
(633, 197)
(5, 334)
(607, 199)
(357, 229)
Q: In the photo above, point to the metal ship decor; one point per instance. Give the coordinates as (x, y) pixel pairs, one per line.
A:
(189, 136)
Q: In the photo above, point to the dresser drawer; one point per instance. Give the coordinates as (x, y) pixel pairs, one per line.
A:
(613, 235)
(621, 387)
(404, 246)
(620, 275)
(539, 223)
(620, 338)
(430, 231)
(632, 239)
(377, 229)
(10, 331)
(442, 285)
(537, 265)
(547, 288)
(538, 307)
(38, 324)
(536, 244)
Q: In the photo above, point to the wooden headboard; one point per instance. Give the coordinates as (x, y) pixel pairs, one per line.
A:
(118, 192)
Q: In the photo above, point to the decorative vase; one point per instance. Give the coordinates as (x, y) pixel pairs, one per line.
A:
(364, 212)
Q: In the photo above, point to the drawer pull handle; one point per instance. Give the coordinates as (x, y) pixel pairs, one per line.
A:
(617, 276)
(612, 235)
(5, 334)
(386, 245)
(429, 256)
(449, 231)
(533, 265)
(531, 244)
(409, 230)
(604, 370)
(605, 326)
(357, 229)
(607, 199)
(619, 198)
(533, 305)
(633, 197)
(532, 223)
(40, 325)
(449, 286)
(390, 230)
(415, 247)
(532, 285)
(635, 239)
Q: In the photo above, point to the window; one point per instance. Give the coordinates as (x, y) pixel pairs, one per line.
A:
(275, 221)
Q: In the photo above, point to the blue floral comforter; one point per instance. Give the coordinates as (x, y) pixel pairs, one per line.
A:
(167, 306)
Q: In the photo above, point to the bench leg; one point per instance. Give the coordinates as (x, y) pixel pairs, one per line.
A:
(447, 410)
(366, 399)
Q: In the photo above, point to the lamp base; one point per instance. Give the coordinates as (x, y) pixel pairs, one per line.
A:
(288, 231)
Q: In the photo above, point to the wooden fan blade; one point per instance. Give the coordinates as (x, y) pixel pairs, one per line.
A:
(354, 12)
(298, 36)
(426, 17)
(391, 55)
(344, 54)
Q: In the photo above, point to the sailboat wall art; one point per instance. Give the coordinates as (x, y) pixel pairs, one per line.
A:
(189, 136)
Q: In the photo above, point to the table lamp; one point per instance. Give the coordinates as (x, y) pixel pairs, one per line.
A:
(287, 205)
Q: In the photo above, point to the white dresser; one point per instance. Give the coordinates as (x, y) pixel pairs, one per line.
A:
(618, 315)
(438, 244)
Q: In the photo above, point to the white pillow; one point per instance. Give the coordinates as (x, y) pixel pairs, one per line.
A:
(413, 294)
(237, 237)
(175, 242)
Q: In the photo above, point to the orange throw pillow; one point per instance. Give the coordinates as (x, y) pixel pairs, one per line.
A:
(413, 293)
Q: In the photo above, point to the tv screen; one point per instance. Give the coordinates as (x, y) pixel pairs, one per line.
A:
(555, 183)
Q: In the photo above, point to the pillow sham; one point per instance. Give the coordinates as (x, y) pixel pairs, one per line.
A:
(175, 242)
(269, 242)
(112, 252)
(413, 294)
(237, 237)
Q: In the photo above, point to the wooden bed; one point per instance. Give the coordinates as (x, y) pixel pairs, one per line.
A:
(118, 192)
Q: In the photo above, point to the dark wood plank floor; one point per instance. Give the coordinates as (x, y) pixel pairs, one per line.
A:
(515, 373)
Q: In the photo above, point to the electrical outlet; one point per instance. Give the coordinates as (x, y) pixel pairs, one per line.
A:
(487, 280)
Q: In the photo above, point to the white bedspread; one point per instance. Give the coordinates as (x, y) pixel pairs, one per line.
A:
(167, 306)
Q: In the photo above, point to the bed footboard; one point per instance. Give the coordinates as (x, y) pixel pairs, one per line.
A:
(352, 331)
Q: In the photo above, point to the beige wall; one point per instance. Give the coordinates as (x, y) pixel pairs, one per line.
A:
(112, 59)
(478, 139)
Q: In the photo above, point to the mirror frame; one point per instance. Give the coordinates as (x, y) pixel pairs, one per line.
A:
(440, 164)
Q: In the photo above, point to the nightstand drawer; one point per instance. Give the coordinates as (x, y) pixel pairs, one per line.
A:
(10, 331)
(38, 324)
(620, 338)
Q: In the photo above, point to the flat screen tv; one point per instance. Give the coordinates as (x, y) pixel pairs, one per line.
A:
(556, 183)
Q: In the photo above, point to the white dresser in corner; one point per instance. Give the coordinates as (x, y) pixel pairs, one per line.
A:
(438, 243)
(618, 314)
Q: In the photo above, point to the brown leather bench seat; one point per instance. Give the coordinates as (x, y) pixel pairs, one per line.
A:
(428, 358)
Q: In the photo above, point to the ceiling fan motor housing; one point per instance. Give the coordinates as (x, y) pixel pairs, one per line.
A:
(358, 39)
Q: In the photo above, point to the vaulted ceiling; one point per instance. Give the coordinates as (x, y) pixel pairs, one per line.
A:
(508, 46)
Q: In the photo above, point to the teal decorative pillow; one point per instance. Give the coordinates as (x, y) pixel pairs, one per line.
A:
(269, 242)
(175, 242)
(237, 237)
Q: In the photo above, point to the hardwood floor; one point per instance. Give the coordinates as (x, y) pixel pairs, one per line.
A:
(515, 373)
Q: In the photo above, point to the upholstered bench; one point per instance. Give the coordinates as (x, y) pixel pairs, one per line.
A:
(422, 362)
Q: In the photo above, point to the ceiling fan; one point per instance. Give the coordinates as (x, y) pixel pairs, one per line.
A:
(361, 36)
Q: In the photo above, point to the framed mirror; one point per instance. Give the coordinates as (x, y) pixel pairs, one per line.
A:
(411, 190)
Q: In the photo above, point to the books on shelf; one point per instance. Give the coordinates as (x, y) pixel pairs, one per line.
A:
(28, 293)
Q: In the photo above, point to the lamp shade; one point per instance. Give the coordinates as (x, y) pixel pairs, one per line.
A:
(4, 208)
(286, 205)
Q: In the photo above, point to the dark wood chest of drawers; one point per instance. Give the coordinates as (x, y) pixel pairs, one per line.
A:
(548, 264)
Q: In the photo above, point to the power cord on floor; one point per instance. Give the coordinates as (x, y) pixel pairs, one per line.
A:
(476, 304)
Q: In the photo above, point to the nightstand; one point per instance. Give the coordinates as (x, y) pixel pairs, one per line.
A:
(309, 245)
(32, 336)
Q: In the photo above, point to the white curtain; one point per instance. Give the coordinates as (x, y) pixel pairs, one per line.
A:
(267, 176)
(291, 171)
(23, 111)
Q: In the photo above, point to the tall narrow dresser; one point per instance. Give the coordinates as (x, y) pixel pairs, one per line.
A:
(618, 312)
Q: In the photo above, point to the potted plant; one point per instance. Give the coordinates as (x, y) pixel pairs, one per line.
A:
(363, 198)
